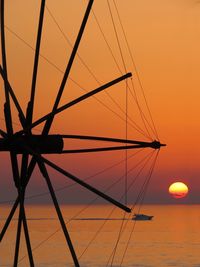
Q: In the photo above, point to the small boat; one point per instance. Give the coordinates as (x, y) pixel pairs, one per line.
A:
(142, 217)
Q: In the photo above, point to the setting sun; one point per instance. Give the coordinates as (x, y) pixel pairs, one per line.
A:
(178, 190)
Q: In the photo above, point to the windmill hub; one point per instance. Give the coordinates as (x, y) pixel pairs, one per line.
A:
(156, 144)
(50, 144)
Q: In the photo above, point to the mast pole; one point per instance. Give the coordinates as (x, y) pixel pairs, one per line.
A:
(44, 172)
(68, 68)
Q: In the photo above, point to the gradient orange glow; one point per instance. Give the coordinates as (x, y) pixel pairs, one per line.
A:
(164, 37)
(178, 190)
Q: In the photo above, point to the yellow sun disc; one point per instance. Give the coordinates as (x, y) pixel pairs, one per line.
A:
(178, 190)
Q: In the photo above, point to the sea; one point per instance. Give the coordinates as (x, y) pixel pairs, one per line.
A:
(106, 236)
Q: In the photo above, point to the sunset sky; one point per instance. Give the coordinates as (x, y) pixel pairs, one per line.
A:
(164, 37)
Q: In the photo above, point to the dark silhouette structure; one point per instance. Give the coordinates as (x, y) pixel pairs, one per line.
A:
(33, 147)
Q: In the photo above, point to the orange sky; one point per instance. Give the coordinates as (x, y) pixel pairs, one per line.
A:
(164, 37)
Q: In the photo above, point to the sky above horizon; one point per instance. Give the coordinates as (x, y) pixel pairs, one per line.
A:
(164, 37)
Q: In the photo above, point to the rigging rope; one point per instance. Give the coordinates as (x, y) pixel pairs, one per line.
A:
(123, 60)
(111, 258)
(110, 50)
(73, 184)
(126, 151)
(136, 70)
(145, 189)
(145, 160)
(126, 96)
(126, 129)
(118, 67)
(87, 67)
(133, 124)
(143, 117)
(135, 98)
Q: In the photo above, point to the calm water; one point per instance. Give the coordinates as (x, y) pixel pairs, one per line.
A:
(172, 238)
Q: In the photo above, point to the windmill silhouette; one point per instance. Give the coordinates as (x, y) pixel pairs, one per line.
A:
(32, 147)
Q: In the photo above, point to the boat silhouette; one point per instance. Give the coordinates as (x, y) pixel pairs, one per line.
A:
(142, 217)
